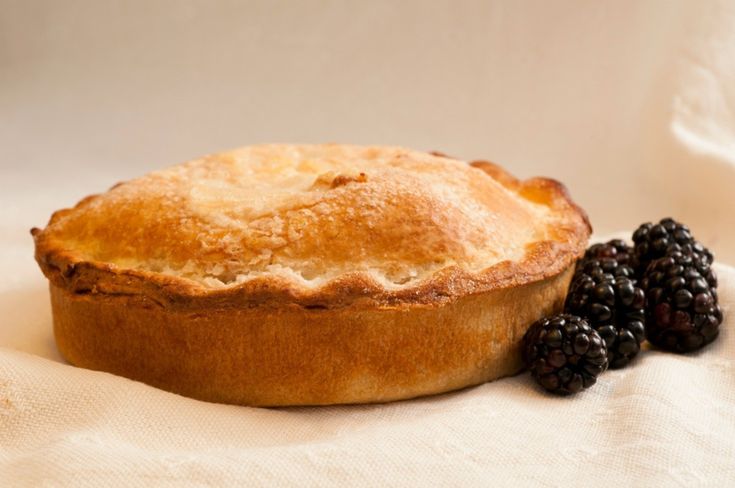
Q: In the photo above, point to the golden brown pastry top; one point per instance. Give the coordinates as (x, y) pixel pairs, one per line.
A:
(316, 225)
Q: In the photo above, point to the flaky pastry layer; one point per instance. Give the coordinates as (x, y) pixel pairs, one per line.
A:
(318, 226)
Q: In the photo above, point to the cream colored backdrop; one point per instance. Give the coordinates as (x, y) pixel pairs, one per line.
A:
(631, 103)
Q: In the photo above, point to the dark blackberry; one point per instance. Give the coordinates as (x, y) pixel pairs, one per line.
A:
(654, 241)
(613, 304)
(616, 249)
(564, 354)
(682, 310)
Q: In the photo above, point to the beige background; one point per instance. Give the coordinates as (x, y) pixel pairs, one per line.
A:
(588, 92)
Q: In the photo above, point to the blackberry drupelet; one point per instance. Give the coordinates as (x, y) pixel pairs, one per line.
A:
(654, 241)
(694, 248)
(616, 249)
(603, 267)
(604, 292)
(564, 354)
(682, 309)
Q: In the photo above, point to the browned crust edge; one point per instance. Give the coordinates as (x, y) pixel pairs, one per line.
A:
(542, 260)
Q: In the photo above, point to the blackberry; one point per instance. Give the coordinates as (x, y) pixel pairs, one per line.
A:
(616, 249)
(683, 313)
(604, 292)
(654, 241)
(564, 354)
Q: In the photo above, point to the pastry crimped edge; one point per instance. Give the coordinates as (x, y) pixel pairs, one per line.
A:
(270, 342)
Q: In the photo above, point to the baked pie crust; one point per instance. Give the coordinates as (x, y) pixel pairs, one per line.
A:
(310, 274)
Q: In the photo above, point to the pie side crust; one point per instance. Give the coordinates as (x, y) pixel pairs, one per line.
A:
(288, 357)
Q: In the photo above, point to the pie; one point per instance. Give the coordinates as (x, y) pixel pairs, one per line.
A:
(310, 274)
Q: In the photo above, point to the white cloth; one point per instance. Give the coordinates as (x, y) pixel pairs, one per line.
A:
(631, 104)
(666, 420)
